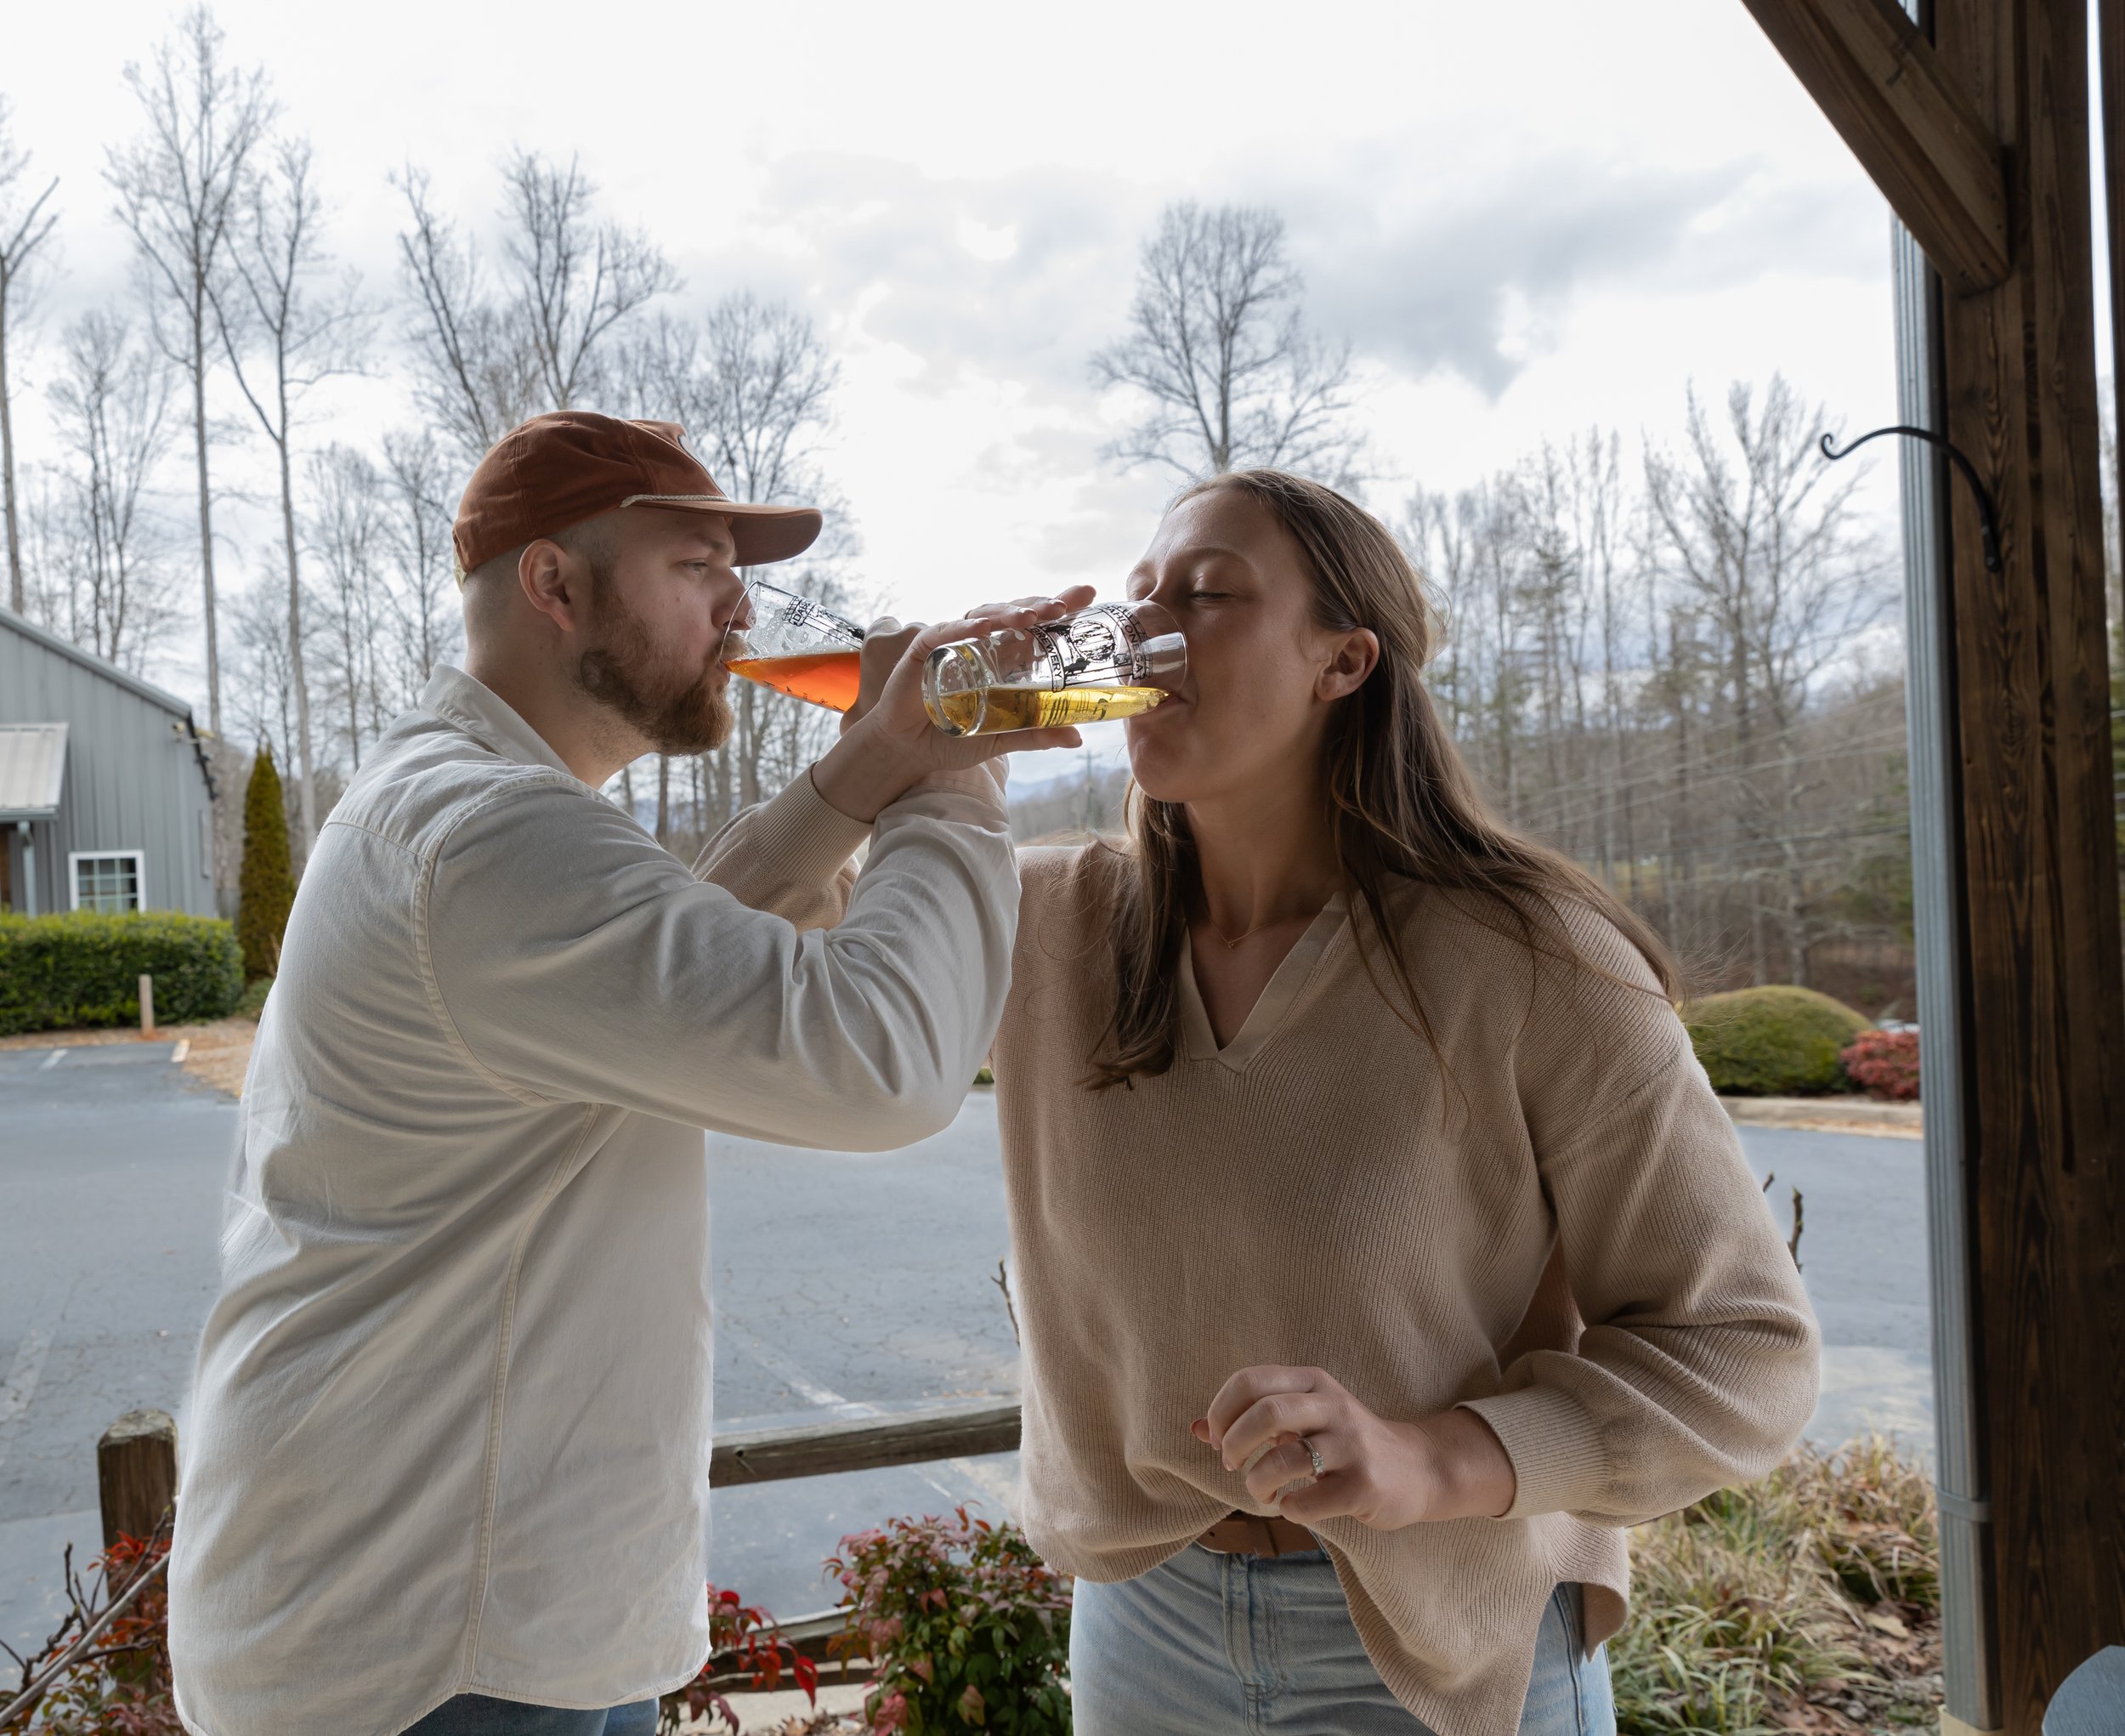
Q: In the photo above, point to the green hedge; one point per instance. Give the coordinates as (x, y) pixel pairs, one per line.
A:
(64, 972)
(1772, 1042)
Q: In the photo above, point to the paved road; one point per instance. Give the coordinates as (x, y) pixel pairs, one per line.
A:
(843, 1283)
(1863, 1258)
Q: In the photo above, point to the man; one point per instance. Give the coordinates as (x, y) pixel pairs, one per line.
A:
(447, 1462)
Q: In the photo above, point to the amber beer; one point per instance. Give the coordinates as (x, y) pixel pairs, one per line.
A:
(796, 646)
(829, 678)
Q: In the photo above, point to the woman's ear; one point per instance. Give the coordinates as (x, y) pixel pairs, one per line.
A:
(1352, 657)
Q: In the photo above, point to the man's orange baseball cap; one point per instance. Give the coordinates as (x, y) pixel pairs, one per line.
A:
(555, 471)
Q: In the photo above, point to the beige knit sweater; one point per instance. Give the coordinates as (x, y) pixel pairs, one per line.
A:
(1317, 1193)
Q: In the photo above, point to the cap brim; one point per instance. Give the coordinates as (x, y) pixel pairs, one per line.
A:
(763, 533)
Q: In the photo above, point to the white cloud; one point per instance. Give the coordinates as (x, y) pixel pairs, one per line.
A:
(1527, 218)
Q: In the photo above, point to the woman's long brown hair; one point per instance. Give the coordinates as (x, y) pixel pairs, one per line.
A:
(1402, 804)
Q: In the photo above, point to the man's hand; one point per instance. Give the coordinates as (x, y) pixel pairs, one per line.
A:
(1383, 1474)
(888, 743)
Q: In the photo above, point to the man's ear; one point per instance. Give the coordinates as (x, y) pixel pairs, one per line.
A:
(556, 584)
(1356, 655)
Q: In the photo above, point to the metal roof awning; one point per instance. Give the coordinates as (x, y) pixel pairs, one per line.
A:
(32, 767)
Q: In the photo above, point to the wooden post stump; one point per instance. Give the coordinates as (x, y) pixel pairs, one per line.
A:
(136, 1473)
(147, 1007)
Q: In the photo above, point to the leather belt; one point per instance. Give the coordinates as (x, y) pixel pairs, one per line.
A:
(1256, 1534)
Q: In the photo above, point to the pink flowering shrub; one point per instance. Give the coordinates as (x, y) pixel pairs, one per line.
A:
(1885, 1063)
(743, 1641)
(964, 1626)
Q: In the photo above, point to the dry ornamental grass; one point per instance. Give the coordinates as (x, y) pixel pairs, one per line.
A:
(1810, 1600)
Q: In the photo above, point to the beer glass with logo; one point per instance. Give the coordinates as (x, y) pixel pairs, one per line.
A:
(1114, 660)
(796, 646)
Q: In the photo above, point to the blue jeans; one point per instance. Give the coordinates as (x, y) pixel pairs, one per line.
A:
(1218, 1645)
(475, 1714)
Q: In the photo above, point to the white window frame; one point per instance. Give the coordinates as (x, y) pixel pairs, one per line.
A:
(76, 857)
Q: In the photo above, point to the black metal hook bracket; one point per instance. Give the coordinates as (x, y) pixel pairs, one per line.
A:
(1988, 525)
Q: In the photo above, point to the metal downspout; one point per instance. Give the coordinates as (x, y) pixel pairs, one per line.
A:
(1961, 1484)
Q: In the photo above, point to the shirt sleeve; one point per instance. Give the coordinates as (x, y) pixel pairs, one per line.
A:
(574, 960)
(1700, 1361)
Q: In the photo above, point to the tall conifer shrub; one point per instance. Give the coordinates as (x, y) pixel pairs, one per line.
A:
(268, 884)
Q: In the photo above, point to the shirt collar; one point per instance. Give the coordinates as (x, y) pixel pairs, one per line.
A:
(482, 714)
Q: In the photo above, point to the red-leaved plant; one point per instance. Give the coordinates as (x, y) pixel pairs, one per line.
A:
(1885, 1063)
(743, 1641)
(95, 1677)
(964, 1626)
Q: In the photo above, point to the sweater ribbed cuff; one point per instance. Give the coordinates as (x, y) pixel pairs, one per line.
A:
(803, 835)
(973, 796)
(1554, 1446)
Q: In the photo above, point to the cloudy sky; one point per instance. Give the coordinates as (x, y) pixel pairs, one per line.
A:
(1526, 219)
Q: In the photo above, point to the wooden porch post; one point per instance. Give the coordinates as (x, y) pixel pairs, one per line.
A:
(2048, 1062)
(2044, 1008)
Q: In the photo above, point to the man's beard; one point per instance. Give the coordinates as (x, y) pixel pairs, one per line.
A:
(679, 709)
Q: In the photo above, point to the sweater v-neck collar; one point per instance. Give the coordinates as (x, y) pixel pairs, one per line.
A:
(1266, 1015)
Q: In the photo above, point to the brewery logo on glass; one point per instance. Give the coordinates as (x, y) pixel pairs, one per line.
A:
(1110, 661)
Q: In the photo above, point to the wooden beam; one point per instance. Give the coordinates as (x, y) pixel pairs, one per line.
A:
(1936, 160)
(2046, 1011)
(955, 1431)
(2111, 56)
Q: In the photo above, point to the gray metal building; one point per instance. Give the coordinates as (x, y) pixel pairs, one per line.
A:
(106, 799)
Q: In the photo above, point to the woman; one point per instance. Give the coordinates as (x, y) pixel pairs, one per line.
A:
(1300, 1091)
(1329, 1109)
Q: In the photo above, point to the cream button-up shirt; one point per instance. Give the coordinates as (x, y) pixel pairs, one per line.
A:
(450, 1431)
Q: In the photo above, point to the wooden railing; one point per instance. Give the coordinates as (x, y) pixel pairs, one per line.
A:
(956, 1430)
(136, 1471)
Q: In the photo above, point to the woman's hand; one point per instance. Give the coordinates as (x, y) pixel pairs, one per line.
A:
(1383, 1474)
(888, 743)
(886, 642)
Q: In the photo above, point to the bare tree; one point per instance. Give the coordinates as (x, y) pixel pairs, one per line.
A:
(475, 378)
(1219, 345)
(346, 534)
(180, 186)
(416, 537)
(1589, 668)
(262, 687)
(104, 588)
(24, 229)
(1761, 537)
(575, 280)
(488, 355)
(770, 380)
(287, 321)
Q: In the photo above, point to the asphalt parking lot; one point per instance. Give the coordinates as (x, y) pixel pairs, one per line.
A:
(844, 1285)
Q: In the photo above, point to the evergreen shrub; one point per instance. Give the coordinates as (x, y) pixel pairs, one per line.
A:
(266, 887)
(1774, 1041)
(67, 972)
